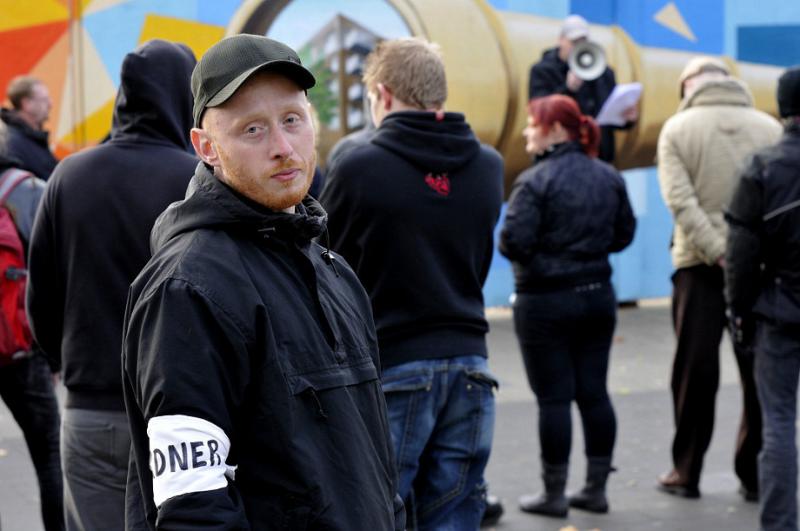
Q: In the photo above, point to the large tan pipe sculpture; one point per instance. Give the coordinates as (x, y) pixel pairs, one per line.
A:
(488, 54)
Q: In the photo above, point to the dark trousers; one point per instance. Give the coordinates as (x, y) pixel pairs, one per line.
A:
(698, 315)
(27, 390)
(565, 338)
(777, 363)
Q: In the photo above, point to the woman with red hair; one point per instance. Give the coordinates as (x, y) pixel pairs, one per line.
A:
(565, 215)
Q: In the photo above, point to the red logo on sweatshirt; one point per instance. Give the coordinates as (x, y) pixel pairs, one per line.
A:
(439, 182)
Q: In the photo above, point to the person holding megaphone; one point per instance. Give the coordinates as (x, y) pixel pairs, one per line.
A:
(577, 68)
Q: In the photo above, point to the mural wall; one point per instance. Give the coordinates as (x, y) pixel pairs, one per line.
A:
(77, 46)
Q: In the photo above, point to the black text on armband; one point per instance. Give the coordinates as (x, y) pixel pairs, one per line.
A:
(186, 455)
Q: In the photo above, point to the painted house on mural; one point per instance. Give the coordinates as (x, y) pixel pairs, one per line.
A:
(77, 47)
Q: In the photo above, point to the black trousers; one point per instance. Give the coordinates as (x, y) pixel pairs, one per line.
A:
(698, 315)
(27, 389)
(565, 339)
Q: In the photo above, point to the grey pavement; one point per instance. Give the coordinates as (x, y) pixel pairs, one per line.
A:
(639, 382)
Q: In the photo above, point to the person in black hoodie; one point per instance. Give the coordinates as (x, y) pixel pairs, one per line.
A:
(552, 75)
(762, 289)
(413, 210)
(565, 215)
(250, 358)
(28, 141)
(90, 240)
(26, 383)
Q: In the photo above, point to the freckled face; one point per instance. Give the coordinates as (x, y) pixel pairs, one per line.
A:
(261, 141)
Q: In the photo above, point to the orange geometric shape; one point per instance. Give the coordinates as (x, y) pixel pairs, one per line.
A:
(23, 48)
(52, 70)
(18, 14)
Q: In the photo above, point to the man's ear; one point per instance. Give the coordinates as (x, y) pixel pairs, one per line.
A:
(386, 96)
(204, 147)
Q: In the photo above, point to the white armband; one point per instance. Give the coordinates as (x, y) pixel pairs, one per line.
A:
(187, 454)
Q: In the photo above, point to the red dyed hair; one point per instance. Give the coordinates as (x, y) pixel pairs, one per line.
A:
(562, 109)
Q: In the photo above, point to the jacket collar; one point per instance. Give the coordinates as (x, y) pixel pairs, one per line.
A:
(557, 150)
(723, 92)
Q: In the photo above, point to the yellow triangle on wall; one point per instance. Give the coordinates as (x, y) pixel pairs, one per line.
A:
(670, 17)
(197, 36)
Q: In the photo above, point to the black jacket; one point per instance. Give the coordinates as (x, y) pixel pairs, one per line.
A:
(240, 323)
(762, 258)
(91, 235)
(28, 145)
(413, 211)
(549, 76)
(565, 215)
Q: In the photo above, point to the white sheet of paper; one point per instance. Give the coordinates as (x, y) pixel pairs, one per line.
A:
(621, 98)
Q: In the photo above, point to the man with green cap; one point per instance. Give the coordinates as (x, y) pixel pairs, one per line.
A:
(250, 358)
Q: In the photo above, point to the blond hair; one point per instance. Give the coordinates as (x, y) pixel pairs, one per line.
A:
(19, 88)
(411, 68)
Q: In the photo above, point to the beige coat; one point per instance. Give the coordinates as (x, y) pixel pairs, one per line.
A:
(701, 152)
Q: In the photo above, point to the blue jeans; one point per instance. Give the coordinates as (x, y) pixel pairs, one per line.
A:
(777, 369)
(27, 389)
(441, 413)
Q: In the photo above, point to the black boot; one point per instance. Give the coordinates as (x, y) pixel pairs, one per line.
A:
(552, 502)
(593, 496)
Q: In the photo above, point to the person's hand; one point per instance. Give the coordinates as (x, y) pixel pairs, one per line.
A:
(574, 83)
(56, 378)
(631, 114)
(721, 261)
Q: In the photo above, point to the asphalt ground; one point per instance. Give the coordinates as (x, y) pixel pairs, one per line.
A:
(639, 383)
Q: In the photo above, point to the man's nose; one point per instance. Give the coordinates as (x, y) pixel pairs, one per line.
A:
(279, 144)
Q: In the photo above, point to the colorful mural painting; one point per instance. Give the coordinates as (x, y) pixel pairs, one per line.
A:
(76, 47)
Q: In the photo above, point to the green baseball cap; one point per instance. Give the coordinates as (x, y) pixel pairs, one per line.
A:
(231, 61)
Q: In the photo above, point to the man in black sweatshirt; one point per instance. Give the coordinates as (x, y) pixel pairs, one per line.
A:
(90, 240)
(413, 212)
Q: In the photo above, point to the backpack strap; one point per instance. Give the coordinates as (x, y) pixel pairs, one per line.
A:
(9, 180)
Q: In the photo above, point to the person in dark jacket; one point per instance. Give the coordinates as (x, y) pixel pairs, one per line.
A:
(565, 215)
(250, 360)
(413, 210)
(552, 75)
(26, 383)
(762, 290)
(90, 240)
(28, 141)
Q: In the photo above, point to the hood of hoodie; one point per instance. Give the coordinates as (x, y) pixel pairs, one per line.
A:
(723, 92)
(154, 101)
(212, 204)
(440, 146)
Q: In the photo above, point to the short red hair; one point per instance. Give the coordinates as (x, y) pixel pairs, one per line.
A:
(562, 109)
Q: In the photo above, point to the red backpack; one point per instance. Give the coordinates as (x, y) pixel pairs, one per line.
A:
(15, 333)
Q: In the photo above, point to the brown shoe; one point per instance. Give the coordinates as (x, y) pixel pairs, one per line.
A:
(671, 483)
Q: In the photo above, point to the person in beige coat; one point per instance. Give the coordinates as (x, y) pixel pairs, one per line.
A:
(701, 152)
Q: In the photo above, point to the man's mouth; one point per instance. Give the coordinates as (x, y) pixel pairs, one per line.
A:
(286, 175)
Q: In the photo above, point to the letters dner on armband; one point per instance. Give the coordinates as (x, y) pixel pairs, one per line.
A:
(187, 454)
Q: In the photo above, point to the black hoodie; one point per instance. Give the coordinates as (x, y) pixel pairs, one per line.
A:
(91, 235)
(28, 145)
(253, 346)
(413, 212)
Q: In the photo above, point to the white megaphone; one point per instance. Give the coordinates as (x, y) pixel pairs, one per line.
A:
(587, 60)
